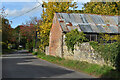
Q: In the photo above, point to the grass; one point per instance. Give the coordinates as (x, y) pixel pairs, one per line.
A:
(92, 69)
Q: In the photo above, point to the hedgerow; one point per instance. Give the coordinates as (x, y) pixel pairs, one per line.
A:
(109, 52)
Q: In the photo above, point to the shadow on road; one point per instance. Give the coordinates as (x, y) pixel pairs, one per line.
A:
(30, 67)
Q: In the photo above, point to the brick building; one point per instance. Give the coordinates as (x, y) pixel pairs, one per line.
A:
(90, 24)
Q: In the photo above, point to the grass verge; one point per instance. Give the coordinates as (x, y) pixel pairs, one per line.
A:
(92, 69)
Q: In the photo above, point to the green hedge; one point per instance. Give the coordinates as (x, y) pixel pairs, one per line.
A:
(109, 52)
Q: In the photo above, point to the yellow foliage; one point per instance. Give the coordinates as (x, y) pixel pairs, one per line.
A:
(113, 37)
(47, 16)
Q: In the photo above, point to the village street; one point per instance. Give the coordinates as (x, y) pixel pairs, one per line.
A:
(51, 39)
(24, 65)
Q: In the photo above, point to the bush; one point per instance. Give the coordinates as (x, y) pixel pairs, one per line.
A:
(74, 37)
(35, 53)
(118, 59)
(109, 52)
(94, 44)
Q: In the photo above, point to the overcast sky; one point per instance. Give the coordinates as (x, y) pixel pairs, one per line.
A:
(15, 9)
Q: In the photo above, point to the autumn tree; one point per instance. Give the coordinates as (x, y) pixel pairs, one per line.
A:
(49, 9)
(6, 31)
(104, 8)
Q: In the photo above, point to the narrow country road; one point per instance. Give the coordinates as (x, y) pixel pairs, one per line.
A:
(24, 65)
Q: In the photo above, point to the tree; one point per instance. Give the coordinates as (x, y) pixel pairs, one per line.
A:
(104, 8)
(47, 17)
(6, 29)
(6, 32)
(23, 34)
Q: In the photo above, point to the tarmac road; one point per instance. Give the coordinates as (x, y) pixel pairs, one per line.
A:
(24, 65)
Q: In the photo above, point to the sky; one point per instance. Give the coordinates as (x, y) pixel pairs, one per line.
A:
(15, 10)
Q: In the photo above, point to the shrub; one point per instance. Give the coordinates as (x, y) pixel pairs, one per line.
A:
(35, 53)
(94, 44)
(118, 59)
(108, 52)
(74, 37)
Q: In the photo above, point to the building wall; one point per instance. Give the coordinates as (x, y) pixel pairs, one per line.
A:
(55, 40)
(85, 52)
(57, 46)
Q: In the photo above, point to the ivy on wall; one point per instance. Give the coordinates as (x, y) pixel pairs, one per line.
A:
(74, 37)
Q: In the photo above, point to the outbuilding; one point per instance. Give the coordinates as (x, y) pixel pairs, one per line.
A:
(92, 25)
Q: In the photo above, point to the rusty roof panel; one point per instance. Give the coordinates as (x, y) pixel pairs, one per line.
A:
(89, 19)
(97, 19)
(110, 20)
(116, 28)
(66, 17)
(77, 18)
(63, 25)
(101, 29)
(83, 18)
(88, 22)
(72, 18)
(115, 18)
(113, 29)
(85, 28)
(107, 29)
(95, 29)
(104, 18)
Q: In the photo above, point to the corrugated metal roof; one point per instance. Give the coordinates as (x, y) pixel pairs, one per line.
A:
(88, 22)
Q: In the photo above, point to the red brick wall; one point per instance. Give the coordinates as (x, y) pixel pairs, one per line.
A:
(55, 40)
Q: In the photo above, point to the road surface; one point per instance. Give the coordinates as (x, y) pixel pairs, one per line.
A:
(24, 65)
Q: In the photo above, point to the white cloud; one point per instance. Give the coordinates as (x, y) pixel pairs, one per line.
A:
(16, 12)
